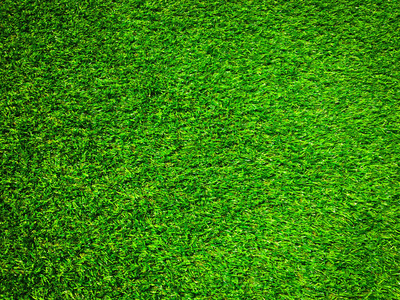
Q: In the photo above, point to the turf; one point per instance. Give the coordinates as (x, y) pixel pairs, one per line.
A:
(199, 149)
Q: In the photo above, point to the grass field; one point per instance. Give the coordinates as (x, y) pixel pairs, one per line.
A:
(199, 149)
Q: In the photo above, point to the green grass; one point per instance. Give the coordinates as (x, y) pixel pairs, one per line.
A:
(199, 149)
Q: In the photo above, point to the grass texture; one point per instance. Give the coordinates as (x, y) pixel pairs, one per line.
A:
(199, 149)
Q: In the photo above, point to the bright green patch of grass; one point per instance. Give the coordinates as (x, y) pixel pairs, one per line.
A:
(199, 149)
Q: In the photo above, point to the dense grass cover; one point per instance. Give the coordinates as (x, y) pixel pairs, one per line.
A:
(199, 149)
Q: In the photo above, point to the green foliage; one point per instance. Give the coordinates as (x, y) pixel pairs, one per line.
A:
(199, 149)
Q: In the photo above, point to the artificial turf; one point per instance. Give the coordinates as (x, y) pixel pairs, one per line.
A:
(199, 149)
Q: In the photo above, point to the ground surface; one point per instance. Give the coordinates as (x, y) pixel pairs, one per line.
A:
(199, 149)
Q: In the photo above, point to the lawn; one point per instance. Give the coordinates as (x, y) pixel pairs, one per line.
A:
(199, 149)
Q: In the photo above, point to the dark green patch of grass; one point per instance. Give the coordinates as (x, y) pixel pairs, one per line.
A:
(199, 149)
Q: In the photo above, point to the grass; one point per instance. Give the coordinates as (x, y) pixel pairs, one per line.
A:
(199, 149)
